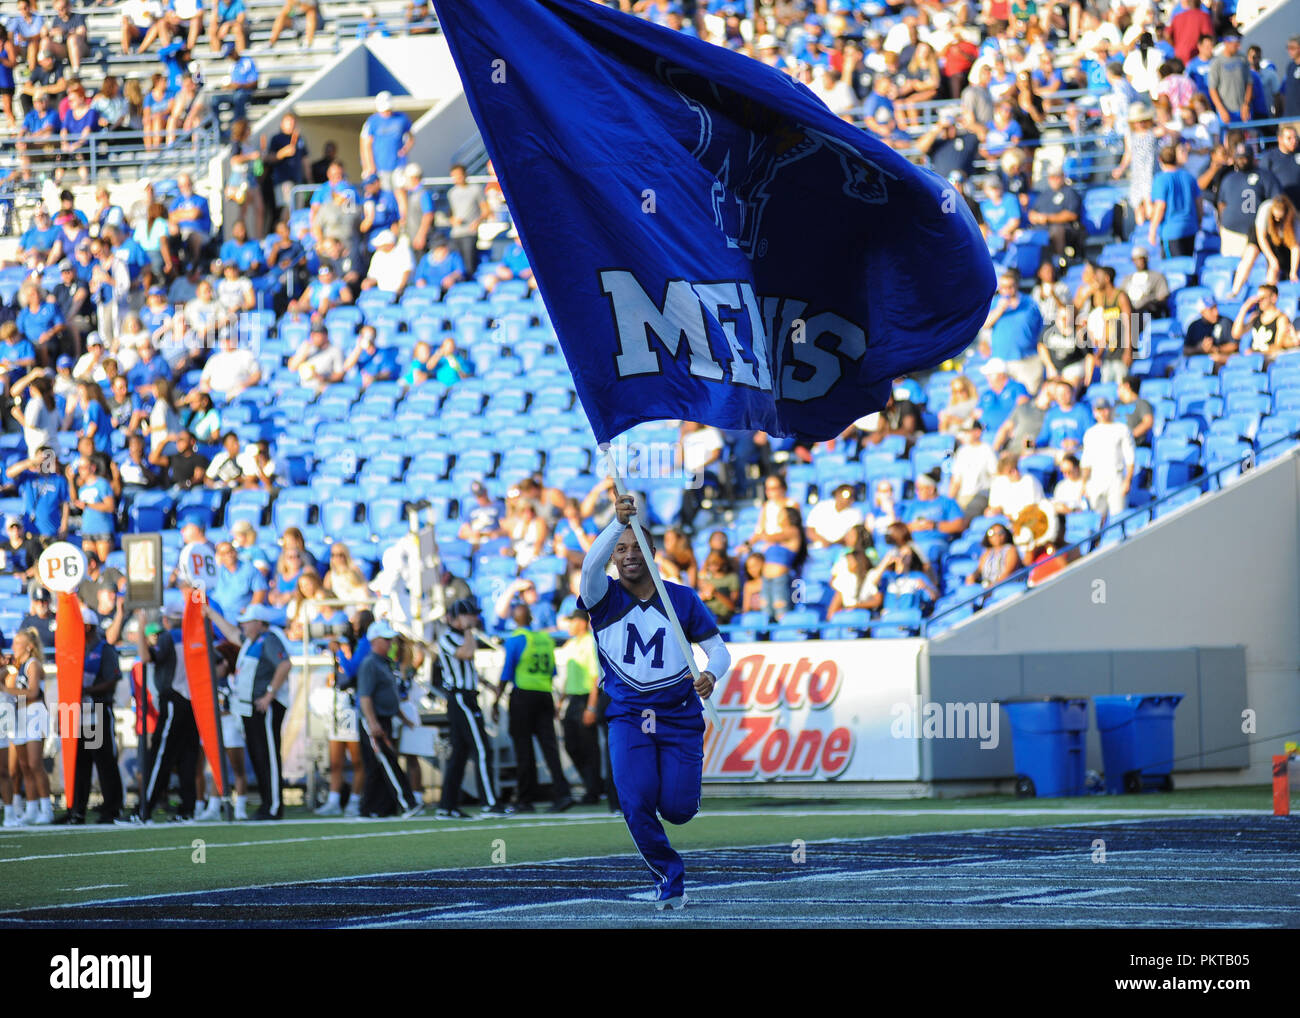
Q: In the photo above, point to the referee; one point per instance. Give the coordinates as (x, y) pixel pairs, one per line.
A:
(386, 791)
(468, 736)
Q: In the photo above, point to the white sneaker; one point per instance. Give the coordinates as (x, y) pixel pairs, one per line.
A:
(661, 904)
(212, 811)
(13, 821)
(354, 807)
(330, 809)
(45, 815)
(32, 813)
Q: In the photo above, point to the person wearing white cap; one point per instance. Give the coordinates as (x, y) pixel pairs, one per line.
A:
(259, 693)
(386, 139)
(386, 791)
(391, 265)
(96, 739)
(1059, 208)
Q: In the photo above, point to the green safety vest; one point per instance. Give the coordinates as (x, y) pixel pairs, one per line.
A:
(536, 665)
(581, 666)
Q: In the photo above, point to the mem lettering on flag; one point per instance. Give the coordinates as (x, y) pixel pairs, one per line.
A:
(713, 244)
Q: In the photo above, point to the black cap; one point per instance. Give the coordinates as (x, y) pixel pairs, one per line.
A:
(465, 606)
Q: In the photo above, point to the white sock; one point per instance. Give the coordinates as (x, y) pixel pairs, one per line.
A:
(47, 808)
(9, 813)
(241, 803)
(333, 799)
(33, 809)
(20, 804)
(214, 803)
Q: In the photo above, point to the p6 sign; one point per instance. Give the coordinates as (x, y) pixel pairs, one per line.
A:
(62, 567)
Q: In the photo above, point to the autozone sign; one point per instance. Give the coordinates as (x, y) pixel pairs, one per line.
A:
(814, 711)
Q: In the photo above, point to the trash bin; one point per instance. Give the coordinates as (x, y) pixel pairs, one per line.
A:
(1047, 741)
(1137, 740)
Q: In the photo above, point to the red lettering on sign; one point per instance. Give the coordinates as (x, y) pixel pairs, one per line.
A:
(740, 681)
(836, 752)
(772, 757)
(823, 685)
(769, 689)
(807, 742)
(737, 761)
(794, 698)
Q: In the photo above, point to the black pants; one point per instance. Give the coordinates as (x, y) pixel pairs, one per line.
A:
(468, 248)
(611, 789)
(386, 791)
(1180, 247)
(175, 746)
(97, 732)
(468, 740)
(532, 715)
(582, 743)
(262, 743)
(1066, 235)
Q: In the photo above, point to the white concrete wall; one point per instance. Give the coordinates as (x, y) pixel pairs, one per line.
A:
(1223, 571)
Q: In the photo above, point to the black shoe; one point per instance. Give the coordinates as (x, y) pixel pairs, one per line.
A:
(259, 815)
(450, 814)
(70, 818)
(589, 800)
(614, 811)
(106, 818)
(560, 805)
(181, 818)
(500, 809)
(525, 807)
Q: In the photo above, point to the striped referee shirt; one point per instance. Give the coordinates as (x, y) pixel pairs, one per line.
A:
(456, 674)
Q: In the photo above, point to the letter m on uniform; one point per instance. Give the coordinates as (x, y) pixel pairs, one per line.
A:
(654, 647)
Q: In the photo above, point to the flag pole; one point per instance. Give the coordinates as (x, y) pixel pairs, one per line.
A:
(673, 622)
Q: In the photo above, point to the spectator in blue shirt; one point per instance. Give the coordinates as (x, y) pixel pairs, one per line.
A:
(45, 494)
(1175, 207)
(1015, 323)
(17, 355)
(930, 511)
(379, 209)
(371, 24)
(40, 322)
(514, 265)
(1001, 214)
(37, 240)
(1198, 68)
(42, 121)
(286, 155)
(238, 584)
(241, 83)
(147, 370)
(440, 269)
(190, 217)
(242, 252)
(98, 506)
(1003, 394)
(367, 361)
(229, 18)
(94, 418)
(1065, 421)
(385, 140)
(25, 29)
(1003, 133)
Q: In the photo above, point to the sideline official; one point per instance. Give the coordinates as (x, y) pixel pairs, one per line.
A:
(386, 791)
(468, 736)
(259, 693)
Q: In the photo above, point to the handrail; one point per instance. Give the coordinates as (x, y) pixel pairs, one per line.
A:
(1246, 462)
(114, 151)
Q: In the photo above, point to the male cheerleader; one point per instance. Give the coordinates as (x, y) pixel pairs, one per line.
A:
(656, 723)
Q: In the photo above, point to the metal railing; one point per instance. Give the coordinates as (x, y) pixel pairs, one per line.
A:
(113, 156)
(1126, 524)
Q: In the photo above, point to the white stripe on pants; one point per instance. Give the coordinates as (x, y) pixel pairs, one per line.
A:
(398, 787)
(484, 775)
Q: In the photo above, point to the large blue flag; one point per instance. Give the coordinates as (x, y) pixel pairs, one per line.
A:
(713, 243)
